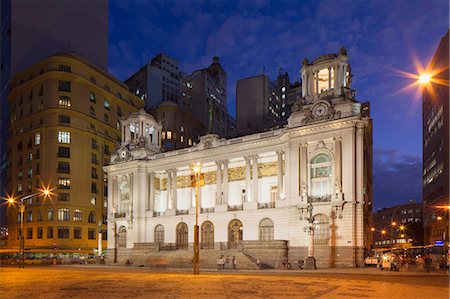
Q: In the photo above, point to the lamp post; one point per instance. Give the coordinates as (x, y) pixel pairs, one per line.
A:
(197, 170)
(310, 261)
(45, 192)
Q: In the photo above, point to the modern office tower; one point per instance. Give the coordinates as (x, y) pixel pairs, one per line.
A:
(435, 131)
(65, 123)
(262, 104)
(398, 226)
(33, 30)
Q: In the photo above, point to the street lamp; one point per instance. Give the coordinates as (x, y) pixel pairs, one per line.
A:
(11, 200)
(197, 170)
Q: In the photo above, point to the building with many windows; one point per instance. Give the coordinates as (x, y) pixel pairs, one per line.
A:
(65, 123)
(31, 31)
(436, 112)
(398, 226)
(302, 188)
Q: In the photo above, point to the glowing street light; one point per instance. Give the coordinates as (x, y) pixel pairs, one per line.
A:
(11, 200)
(424, 78)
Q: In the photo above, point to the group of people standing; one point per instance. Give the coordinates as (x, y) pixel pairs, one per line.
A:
(223, 263)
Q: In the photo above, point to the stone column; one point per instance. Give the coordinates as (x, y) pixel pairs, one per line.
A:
(280, 184)
(338, 166)
(174, 189)
(304, 166)
(344, 75)
(247, 179)
(329, 78)
(225, 183)
(218, 183)
(359, 185)
(255, 179)
(151, 201)
(169, 190)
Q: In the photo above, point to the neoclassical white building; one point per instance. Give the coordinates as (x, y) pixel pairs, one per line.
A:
(256, 189)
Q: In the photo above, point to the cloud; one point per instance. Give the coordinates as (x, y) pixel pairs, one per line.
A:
(397, 178)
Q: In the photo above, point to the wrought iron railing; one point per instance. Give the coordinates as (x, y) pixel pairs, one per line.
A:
(236, 208)
(266, 205)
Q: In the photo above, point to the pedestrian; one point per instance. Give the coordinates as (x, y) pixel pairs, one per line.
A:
(227, 262)
(285, 261)
(219, 264)
(428, 262)
(233, 261)
(258, 263)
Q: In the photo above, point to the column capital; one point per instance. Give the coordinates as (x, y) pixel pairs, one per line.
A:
(280, 152)
(337, 138)
(304, 144)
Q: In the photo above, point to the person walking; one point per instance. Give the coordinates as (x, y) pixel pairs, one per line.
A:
(227, 262)
(258, 264)
(234, 262)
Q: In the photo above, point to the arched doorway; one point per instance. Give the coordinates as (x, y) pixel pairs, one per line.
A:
(234, 233)
(182, 235)
(122, 236)
(266, 230)
(159, 234)
(207, 235)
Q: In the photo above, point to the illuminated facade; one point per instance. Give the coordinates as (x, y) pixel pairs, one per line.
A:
(256, 189)
(64, 125)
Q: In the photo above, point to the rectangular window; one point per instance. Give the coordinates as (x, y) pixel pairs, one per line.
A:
(64, 119)
(49, 232)
(63, 214)
(64, 102)
(65, 68)
(119, 111)
(64, 183)
(39, 233)
(64, 86)
(63, 137)
(169, 134)
(63, 152)
(93, 200)
(63, 197)
(50, 215)
(106, 150)
(63, 232)
(29, 233)
(94, 187)
(94, 158)
(94, 174)
(106, 117)
(37, 138)
(63, 167)
(92, 97)
(77, 232)
(92, 218)
(94, 144)
(91, 233)
(76, 215)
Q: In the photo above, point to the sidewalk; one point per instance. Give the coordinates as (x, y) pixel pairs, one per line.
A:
(341, 271)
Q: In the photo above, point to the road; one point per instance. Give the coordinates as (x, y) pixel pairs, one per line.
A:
(122, 282)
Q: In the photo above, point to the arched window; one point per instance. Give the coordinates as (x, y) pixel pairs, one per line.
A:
(159, 234)
(321, 229)
(182, 235)
(122, 237)
(321, 176)
(124, 200)
(207, 235)
(266, 230)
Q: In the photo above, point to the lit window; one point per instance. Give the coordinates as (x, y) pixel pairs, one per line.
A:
(321, 172)
(63, 137)
(19, 187)
(37, 138)
(181, 138)
(94, 200)
(169, 135)
(63, 214)
(283, 89)
(77, 215)
(64, 102)
(163, 135)
(92, 97)
(190, 141)
(64, 183)
(106, 104)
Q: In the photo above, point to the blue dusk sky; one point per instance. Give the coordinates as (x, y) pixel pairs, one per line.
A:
(251, 36)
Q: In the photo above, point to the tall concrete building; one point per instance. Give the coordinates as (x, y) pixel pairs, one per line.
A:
(65, 123)
(436, 112)
(262, 104)
(187, 105)
(32, 30)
